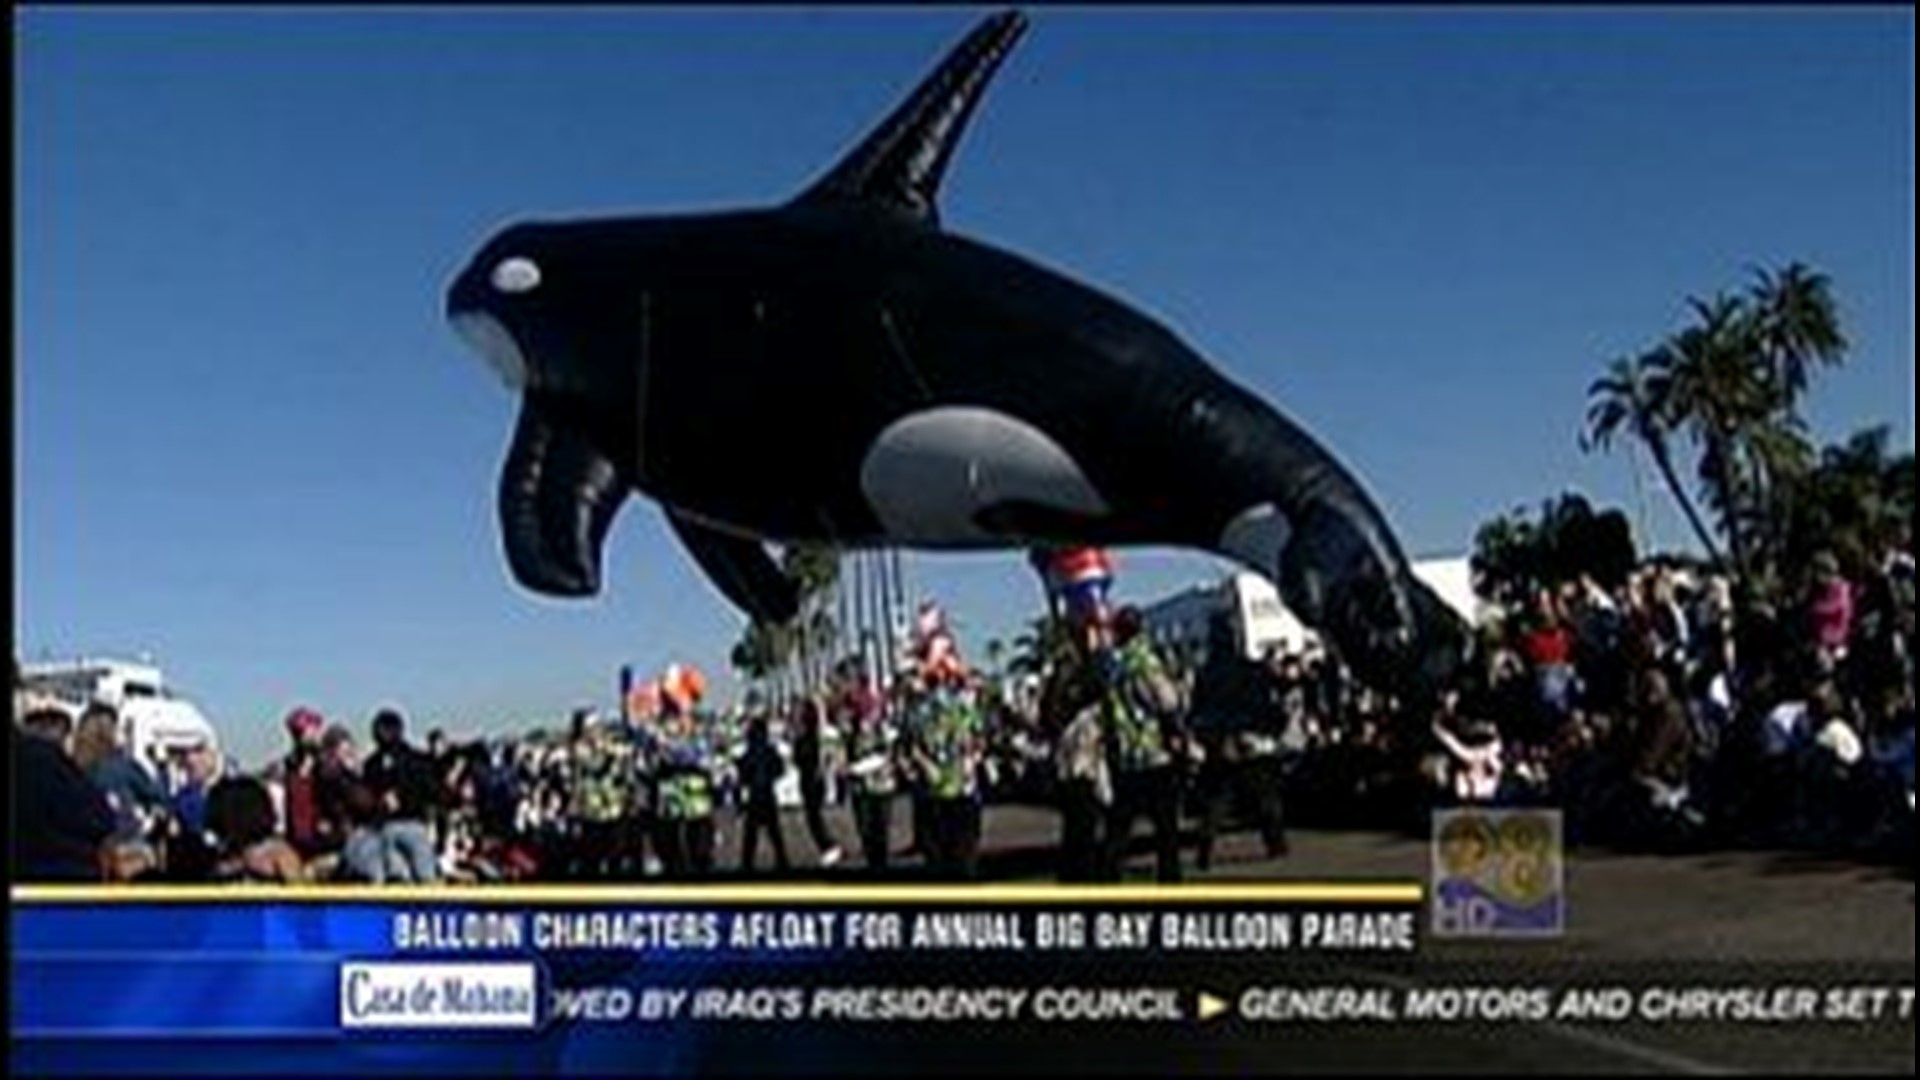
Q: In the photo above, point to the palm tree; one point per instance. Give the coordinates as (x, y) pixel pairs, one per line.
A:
(761, 653)
(1505, 565)
(1719, 392)
(1782, 457)
(1798, 329)
(1848, 504)
(815, 568)
(1896, 488)
(1733, 380)
(1045, 646)
(1634, 396)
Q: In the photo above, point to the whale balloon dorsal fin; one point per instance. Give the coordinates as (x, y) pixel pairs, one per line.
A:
(900, 163)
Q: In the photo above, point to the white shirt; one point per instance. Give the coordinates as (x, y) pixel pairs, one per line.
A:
(1720, 693)
(1788, 726)
(1477, 770)
(277, 792)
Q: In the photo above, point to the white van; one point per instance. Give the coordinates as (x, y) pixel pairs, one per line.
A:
(156, 723)
(1262, 622)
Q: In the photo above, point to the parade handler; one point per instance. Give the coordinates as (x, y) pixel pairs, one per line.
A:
(1239, 722)
(874, 770)
(760, 770)
(1145, 737)
(601, 786)
(685, 760)
(1085, 793)
(948, 741)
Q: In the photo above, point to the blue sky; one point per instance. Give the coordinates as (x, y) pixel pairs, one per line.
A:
(249, 445)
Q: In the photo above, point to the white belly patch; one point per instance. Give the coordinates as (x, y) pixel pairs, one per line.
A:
(930, 473)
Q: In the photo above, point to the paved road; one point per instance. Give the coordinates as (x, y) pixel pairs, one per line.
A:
(1746, 919)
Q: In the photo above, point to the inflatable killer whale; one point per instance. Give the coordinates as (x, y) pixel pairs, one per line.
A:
(841, 368)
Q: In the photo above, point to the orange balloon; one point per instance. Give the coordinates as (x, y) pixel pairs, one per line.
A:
(684, 685)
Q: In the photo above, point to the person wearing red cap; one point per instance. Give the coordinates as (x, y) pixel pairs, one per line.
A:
(301, 768)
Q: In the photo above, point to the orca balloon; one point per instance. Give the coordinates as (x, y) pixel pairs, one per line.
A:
(842, 368)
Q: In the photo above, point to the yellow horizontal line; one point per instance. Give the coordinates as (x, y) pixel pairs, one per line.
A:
(726, 895)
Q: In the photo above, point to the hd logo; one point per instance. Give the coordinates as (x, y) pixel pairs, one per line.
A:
(1498, 874)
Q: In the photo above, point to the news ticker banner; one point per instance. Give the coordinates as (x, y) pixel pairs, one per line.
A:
(851, 980)
(341, 978)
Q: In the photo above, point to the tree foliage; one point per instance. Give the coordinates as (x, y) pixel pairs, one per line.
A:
(1853, 502)
(1730, 385)
(1520, 553)
(795, 655)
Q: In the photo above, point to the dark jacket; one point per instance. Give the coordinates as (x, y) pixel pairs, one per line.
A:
(406, 773)
(1230, 694)
(60, 818)
(333, 796)
(806, 749)
(761, 769)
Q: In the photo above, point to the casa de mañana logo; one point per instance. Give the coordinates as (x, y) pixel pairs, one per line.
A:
(471, 995)
(1498, 874)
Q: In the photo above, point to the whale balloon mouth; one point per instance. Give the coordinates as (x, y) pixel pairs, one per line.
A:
(489, 337)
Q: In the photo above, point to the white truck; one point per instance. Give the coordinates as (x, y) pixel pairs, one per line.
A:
(1263, 625)
(156, 723)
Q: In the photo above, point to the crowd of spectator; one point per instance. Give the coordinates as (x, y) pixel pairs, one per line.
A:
(1656, 714)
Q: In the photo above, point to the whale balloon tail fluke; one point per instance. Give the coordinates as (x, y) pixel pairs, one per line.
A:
(558, 498)
(1439, 652)
(901, 162)
(1297, 516)
(1344, 575)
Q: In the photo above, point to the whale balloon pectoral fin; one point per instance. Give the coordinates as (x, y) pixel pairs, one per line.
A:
(558, 498)
(741, 569)
(900, 163)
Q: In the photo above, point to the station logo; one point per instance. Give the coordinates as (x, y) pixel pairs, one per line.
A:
(1498, 874)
